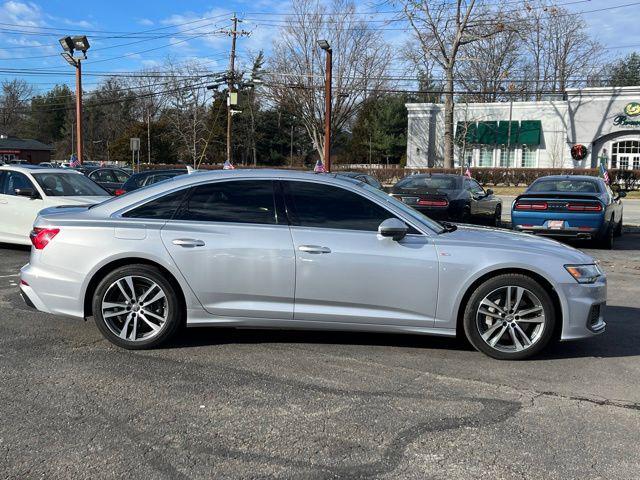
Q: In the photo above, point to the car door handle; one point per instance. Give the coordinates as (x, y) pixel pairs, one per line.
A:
(314, 249)
(188, 242)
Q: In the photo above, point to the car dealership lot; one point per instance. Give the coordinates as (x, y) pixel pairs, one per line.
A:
(256, 404)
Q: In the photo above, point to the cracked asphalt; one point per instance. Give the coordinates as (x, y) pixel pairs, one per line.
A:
(271, 405)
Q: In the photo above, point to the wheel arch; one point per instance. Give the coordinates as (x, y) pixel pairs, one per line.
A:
(546, 284)
(120, 262)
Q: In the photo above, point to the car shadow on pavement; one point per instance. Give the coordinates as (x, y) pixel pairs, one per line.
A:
(17, 248)
(620, 339)
(203, 336)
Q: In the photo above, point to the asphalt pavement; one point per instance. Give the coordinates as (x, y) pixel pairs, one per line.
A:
(270, 404)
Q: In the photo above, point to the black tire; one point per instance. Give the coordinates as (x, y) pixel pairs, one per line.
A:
(618, 230)
(607, 241)
(173, 308)
(466, 215)
(493, 284)
(496, 221)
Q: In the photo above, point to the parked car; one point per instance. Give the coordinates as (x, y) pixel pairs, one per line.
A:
(109, 178)
(570, 206)
(148, 177)
(449, 197)
(368, 179)
(278, 249)
(25, 190)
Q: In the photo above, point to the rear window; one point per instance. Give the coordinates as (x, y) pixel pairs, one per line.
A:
(69, 185)
(564, 185)
(435, 183)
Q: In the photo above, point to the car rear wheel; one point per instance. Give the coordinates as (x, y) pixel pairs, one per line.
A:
(607, 240)
(135, 307)
(618, 231)
(497, 217)
(509, 317)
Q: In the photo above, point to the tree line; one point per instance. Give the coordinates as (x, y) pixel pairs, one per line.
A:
(460, 51)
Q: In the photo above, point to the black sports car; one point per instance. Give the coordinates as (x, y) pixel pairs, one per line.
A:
(449, 197)
(148, 177)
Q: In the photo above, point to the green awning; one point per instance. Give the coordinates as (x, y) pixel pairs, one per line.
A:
(487, 132)
(530, 132)
(502, 137)
(466, 132)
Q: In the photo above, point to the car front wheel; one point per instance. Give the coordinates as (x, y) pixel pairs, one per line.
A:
(135, 307)
(509, 317)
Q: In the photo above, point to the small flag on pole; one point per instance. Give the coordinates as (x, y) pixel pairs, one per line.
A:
(228, 165)
(604, 173)
(467, 172)
(74, 162)
(319, 168)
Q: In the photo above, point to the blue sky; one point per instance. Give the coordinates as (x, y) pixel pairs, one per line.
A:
(31, 29)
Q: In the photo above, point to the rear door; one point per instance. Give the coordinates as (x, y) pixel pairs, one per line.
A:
(232, 244)
(346, 272)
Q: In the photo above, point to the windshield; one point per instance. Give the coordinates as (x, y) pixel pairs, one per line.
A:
(430, 183)
(60, 184)
(414, 214)
(564, 185)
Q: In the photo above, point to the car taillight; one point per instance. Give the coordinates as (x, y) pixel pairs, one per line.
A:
(584, 207)
(40, 237)
(432, 203)
(531, 206)
(119, 191)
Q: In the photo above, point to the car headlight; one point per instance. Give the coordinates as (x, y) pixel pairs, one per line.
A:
(584, 273)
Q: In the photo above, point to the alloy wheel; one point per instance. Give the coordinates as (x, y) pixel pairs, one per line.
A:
(510, 319)
(135, 308)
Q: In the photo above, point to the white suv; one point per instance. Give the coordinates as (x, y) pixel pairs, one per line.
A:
(25, 190)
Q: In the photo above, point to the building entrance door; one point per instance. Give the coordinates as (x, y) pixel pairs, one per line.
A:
(625, 155)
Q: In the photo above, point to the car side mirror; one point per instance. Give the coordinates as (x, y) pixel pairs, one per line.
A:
(27, 192)
(393, 228)
(622, 194)
(489, 191)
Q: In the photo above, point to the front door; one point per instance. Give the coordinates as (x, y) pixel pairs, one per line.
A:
(18, 212)
(234, 249)
(346, 272)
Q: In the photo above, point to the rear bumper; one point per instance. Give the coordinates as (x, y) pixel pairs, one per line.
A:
(55, 294)
(585, 233)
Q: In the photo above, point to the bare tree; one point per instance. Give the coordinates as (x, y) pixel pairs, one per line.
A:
(15, 96)
(360, 60)
(443, 28)
(559, 55)
(187, 101)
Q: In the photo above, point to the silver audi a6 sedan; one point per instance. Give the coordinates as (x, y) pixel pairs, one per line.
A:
(280, 249)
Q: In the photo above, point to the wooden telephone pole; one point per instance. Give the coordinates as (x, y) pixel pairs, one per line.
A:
(231, 80)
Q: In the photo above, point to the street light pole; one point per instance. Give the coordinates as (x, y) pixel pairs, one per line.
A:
(324, 45)
(70, 45)
(79, 110)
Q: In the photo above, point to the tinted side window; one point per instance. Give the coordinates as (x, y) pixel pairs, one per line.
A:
(101, 176)
(15, 180)
(161, 208)
(326, 206)
(3, 176)
(121, 176)
(248, 201)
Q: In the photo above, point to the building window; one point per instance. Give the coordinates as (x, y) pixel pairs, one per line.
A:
(624, 163)
(486, 156)
(529, 154)
(614, 161)
(636, 163)
(507, 161)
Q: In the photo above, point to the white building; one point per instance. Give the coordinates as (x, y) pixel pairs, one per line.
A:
(541, 134)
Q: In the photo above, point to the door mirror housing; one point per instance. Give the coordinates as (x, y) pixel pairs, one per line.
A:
(489, 191)
(393, 228)
(27, 192)
(622, 194)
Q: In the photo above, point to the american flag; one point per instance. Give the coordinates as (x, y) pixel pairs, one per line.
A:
(74, 161)
(228, 165)
(319, 168)
(467, 172)
(604, 173)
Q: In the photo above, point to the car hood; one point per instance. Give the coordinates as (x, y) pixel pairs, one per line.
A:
(516, 242)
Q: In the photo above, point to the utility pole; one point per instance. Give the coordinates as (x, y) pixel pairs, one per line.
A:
(324, 45)
(149, 137)
(291, 153)
(231, 80)
(79, 110)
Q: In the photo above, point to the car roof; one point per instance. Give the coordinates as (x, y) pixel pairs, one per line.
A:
(450, 175)
(166, 170)
(569, 177)
(204, 176)
(36, 169)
